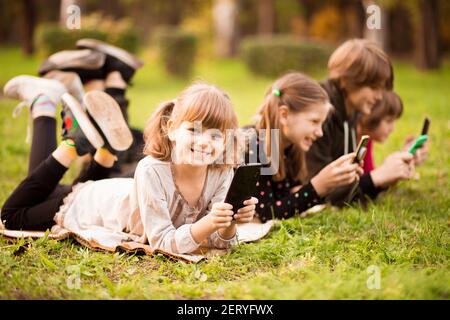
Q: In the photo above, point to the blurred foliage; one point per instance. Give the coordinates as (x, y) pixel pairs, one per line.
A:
(200, 24)
(118, 32)
(327, 20)
(327, 24)
(272, 56)
(177, 49)
(287, 11)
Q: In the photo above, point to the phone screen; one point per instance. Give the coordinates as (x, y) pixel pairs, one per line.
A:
(243, 186)
(361, 149)
(426, 125)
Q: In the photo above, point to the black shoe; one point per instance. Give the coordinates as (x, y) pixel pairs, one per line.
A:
(77, 126)
(117, 59)
(88, 64)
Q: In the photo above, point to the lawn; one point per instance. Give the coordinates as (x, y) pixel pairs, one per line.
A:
(331, 255)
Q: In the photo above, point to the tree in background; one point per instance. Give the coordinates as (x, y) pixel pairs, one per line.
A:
(28, 25)
(427, 53)
(266, 17)
(225, 13)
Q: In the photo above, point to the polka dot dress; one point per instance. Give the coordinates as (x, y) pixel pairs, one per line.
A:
(277, 201)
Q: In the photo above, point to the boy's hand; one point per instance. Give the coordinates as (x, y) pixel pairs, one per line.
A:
(397, 166)
(421, 154)
(221, 215)
(245, 214)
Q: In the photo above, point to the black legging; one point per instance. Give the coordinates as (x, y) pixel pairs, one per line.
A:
(34, 203)
(128, 159)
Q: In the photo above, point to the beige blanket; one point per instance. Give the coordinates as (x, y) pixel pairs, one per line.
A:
(247, 232)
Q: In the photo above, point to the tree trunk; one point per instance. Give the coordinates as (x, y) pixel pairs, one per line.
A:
(427, 36)
(225, 14)
(266, 17)
(28, 26)
(401, 42)
(112, 8)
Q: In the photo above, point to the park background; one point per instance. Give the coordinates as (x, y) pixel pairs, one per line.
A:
(242, 46)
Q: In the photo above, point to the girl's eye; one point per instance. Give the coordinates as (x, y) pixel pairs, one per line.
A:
(217, 136)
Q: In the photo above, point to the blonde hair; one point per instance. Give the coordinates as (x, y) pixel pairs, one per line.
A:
(297, 92)
(360, 62)
(199, 102)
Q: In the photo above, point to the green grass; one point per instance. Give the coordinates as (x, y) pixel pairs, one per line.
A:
(405, 234)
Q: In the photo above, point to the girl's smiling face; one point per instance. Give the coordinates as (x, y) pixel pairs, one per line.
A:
(304, 127)
(194, 144)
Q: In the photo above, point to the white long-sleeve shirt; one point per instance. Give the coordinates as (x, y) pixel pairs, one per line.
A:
(148, 209)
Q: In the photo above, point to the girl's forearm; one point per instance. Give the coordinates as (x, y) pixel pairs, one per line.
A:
(228, 233)
(202, 229)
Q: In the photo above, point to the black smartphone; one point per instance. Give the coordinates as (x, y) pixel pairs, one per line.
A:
(426, 126)
(361, 149)
(243, 185)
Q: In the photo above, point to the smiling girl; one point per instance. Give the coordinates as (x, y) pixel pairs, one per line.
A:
(172, 205)
(295, 106)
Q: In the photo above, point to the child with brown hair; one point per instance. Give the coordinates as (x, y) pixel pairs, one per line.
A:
(290, 121)
(358, 73)
(378, 126)
(172, 205)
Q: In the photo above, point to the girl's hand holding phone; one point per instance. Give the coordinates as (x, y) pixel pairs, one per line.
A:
(338, 173)
(246, 214)
(221, 215)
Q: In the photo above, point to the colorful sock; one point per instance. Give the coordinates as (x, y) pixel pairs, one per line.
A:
(43, 106)
(66, 153)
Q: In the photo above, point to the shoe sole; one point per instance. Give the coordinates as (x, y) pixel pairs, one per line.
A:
(108, 116)
(73, 59)
(119, 53)
(85, 124)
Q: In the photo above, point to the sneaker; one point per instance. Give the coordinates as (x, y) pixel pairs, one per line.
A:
(88, 64)
(28, 88)
(77, 126)
(117, 59)
(108, 118)
(70, 80)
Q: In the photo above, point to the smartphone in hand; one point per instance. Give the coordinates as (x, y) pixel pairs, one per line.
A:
(243, 185)
(361, 149)
(418, 143)
(426, 126)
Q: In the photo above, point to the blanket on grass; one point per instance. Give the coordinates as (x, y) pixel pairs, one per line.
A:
(247, 232)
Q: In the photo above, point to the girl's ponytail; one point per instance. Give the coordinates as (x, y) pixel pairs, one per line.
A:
(156, 138)
(269, 119)
(297, 92)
